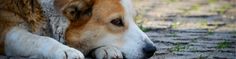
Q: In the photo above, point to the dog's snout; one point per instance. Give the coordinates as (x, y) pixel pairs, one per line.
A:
(149, 50)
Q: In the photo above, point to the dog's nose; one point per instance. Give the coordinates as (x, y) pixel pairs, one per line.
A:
(149, 50)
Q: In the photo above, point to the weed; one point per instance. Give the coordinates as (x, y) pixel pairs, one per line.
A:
(139, 20)
(212, 1)
(224, 44)
(194, 40)
(178, 47)
(174, 25)
(222, 9)
(201, 57)
(185, 11)
(204, 23)
(234, 32)
(174, 34)
(171, 1)
(210, 31)
(143, 29)
(195, 7)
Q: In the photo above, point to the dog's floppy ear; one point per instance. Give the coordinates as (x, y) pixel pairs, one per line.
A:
(74, 9)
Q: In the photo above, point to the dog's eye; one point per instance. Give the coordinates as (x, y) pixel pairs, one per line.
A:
(117, 22)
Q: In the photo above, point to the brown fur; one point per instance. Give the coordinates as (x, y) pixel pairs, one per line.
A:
(89, 20)
(29, 10)
(85, 31)
(15, 12)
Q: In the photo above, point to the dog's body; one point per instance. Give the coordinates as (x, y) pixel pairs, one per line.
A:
(104, 28)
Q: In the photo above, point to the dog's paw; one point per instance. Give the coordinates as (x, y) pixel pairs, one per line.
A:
(67, 53)
(107, 53)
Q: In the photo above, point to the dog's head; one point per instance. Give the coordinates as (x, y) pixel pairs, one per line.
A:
(97, 23)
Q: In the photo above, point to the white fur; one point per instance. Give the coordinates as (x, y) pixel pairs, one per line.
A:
(20, 42)
(108, 52)
(134, 40)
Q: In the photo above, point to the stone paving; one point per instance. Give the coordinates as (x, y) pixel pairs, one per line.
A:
(195, 33)
(190, 44)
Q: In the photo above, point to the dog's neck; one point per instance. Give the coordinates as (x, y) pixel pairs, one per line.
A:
(56, 23)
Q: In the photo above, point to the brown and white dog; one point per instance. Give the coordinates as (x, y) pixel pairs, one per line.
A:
(102, 28)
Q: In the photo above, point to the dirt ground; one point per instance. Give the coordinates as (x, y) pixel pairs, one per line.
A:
(189, 29)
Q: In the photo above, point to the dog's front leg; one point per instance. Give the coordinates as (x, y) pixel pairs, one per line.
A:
(20, 42)
(107, 52)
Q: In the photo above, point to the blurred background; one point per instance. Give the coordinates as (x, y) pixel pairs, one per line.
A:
(189, 29)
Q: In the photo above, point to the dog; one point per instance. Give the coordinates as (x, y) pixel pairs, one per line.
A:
(103, 29)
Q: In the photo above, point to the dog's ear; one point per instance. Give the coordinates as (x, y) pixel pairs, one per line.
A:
(74, 9)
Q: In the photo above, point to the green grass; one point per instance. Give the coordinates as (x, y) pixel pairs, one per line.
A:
(224, 44)
(173, 34)
(195, 7)
(185, 11)
(178, 48)
(174, 25)
(234, 32)
(143, 29)
(171, 1)
(204, 23)
(139, 20)
(201, 57)
(194, 40)
(223, 8)
(210, 32)
(212, 1)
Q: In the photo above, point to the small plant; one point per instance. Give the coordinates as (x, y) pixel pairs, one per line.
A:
(178, 47)
(171, 1)
(194, 40)
(222, 9)
(185, 11)
(201, 57)
(204, 23)
(173, 34)
(174, 25)
(224, 44)
(139, 20)
(143, 29)
(195, 7)
(210, 31)
(212, 1)
(234, 32)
